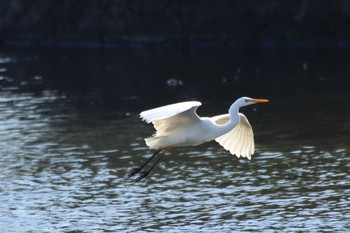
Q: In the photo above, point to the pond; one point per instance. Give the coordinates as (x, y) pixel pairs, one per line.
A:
(64, 168)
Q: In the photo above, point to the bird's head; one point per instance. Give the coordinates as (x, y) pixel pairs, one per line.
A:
(244, 101)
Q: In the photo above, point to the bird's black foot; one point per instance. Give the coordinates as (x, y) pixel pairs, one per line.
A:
(142, 175)
(145, 173)
(133, 172)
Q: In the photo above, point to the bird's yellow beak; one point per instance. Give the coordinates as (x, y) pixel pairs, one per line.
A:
(259, 100)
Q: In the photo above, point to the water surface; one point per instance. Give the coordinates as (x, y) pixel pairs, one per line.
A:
(64, 163)
(64, 171)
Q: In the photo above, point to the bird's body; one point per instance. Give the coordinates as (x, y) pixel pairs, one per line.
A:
(182, 129)
(179, 125)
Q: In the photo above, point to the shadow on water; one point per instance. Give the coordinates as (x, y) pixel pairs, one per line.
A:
(133, 79)
(63, 167)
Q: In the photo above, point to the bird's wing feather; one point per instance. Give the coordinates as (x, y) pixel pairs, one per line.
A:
(240, 140)
(221, 119)
(169, 111)
(174, 116)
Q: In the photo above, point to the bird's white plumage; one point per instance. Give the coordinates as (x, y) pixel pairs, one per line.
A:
(169, 111)
(240, 140)
(165, 127)
(179, 125)
(169, 118)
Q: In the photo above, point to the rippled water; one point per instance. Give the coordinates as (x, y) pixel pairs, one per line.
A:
(64, 160)
(64, 169)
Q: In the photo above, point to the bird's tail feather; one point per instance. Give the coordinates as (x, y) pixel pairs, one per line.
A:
(156, 142)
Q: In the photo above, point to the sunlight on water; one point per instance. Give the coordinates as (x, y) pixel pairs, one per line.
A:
(65, 171)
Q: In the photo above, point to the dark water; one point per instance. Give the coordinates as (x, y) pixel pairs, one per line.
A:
(63, 169)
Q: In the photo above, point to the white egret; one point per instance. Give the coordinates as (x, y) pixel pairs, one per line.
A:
(179, 125)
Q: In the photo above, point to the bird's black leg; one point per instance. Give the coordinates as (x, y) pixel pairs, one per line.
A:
(137, 170)
(145, 173)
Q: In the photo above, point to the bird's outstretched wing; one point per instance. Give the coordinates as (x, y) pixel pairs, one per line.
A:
(170, 117)
(240, 140)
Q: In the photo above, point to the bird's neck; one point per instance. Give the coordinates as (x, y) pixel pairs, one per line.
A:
(234, 120)
(233, 110)
(234, 116)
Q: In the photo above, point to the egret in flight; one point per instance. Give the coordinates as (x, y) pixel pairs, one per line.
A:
(179, 125)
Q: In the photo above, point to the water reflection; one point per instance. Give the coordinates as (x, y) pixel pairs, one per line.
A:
(63, 170)
(64, 161)
(129, 79)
